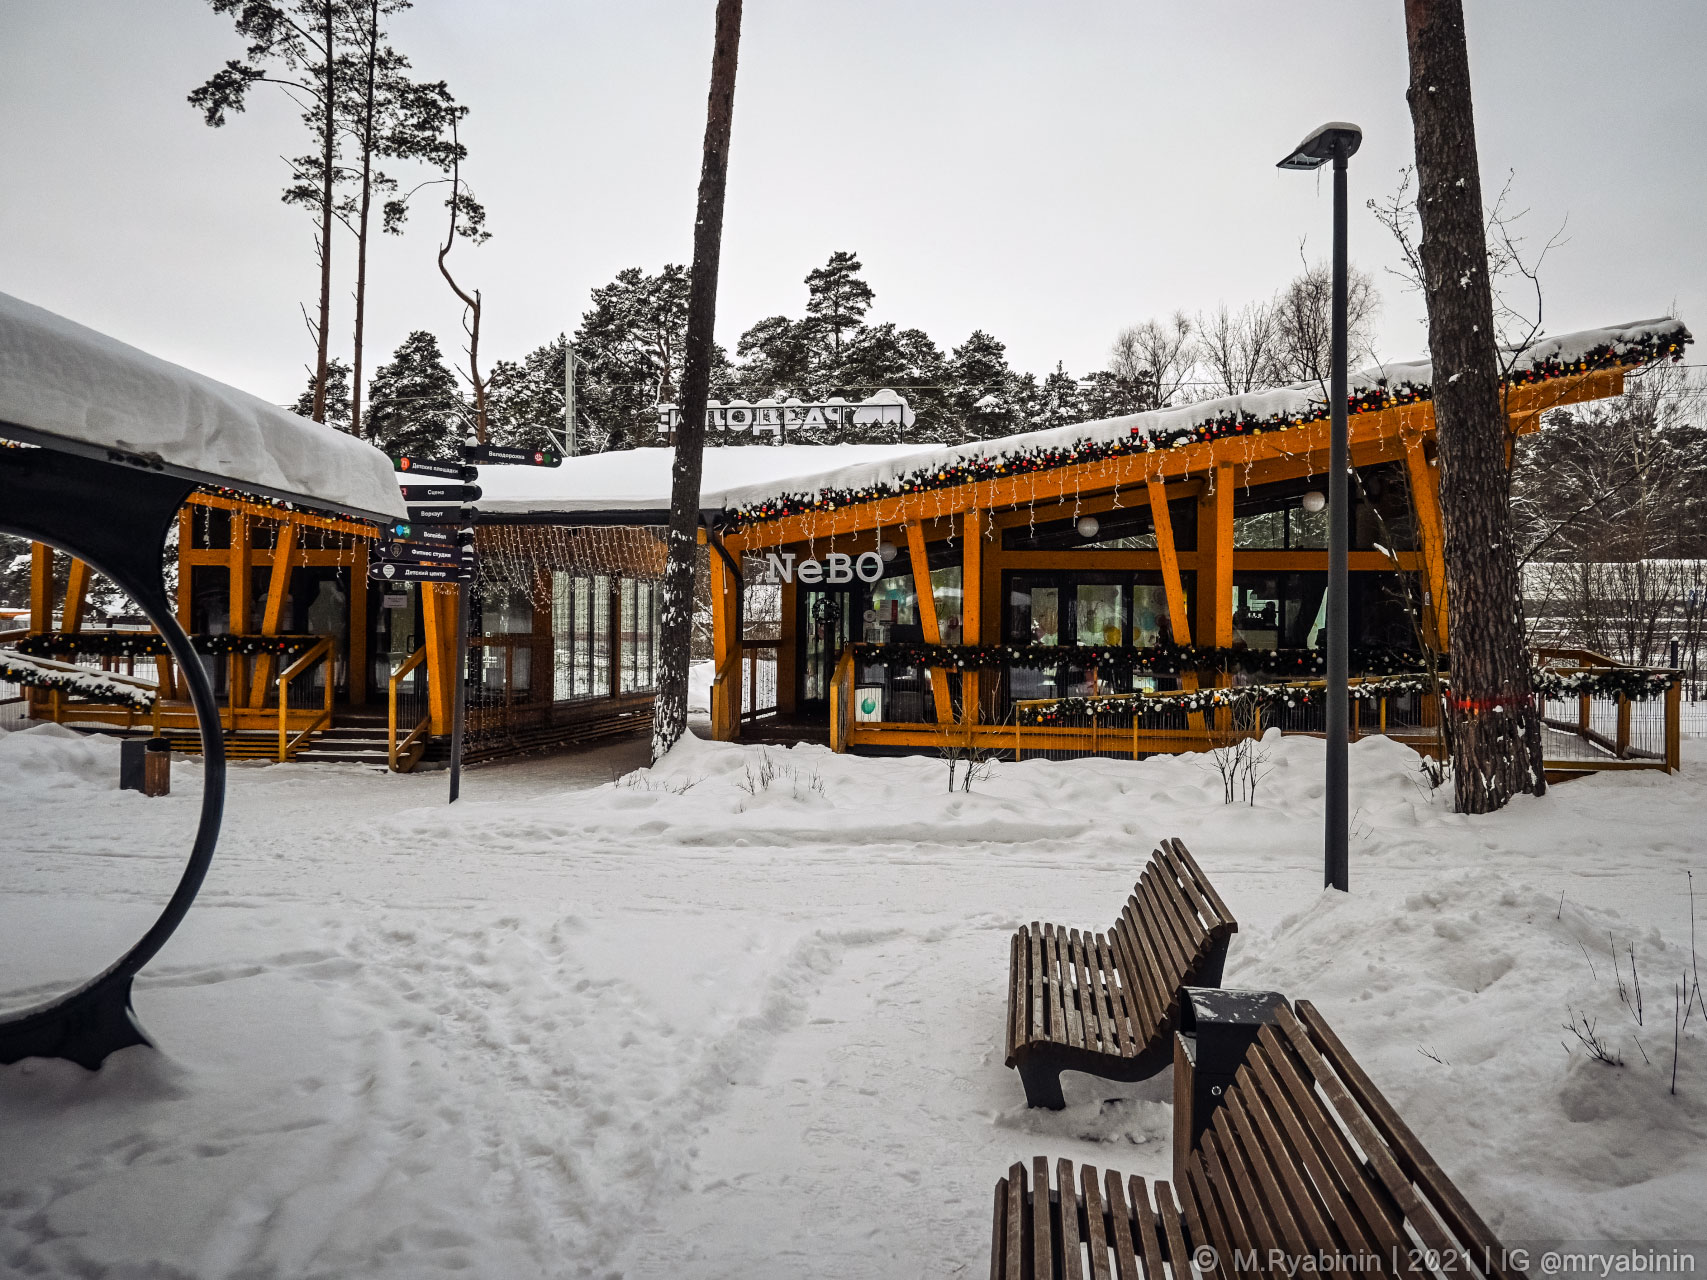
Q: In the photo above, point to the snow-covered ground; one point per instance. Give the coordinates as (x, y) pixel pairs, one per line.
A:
(742, 1014)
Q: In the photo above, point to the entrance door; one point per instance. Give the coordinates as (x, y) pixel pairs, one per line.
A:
(826, 621)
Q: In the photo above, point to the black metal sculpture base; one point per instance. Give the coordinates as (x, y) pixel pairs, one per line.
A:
(113, 515)
(84, 1027)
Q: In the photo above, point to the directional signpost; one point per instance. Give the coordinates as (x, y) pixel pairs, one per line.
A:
(436, 544)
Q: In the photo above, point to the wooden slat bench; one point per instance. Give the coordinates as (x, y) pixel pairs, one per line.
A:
(1305, 1167)
(1089, 1231)
(1106, 1004)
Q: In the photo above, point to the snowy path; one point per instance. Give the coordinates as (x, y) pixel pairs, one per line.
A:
(742, 1014)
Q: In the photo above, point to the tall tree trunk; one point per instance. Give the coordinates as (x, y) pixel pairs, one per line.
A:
(362, 219)
(671, 714)
(1496, 733)
(328, 145)
(471, 324)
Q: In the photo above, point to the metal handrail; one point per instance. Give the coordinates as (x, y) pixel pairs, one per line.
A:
(395, 749)
(324, 649)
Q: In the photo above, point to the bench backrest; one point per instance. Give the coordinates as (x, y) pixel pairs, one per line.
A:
(1172, 925)
(1306, 1157)
(1100, 1229)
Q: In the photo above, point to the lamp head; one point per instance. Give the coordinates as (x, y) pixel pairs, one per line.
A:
(1336, 138)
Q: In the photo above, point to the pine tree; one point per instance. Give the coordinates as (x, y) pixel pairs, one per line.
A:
(296, 46)
(524, 401)
(1495, 730)
(904, 360)
(837, 299)
(337, 399)
(416, 405)
(382, 114)
(979, 381)
(777, 360)
(633, 339)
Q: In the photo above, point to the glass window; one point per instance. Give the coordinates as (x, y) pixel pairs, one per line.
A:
(562, 636)
(946, 593)
(1149, 614)
(1101, 613)
(893, 607)
(1265, 531)
(599, 626)
(1279, 610)
(1034, 611)
(634, 639)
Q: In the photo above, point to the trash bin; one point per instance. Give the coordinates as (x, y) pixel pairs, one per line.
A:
(1216, 1026)
(145, 765)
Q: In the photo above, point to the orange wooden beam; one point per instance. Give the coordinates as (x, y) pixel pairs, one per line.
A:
(971, 605)
(76, 596)
(926, 599)
(278, 588)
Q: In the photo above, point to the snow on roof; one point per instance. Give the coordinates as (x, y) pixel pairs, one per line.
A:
(62, 382)
(1376, 387)
(633, 485)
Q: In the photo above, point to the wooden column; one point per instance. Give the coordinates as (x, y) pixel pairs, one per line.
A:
(1425, 501)
(41, 616)
(928, 618)
(1179, 620)
(278, 591)
(41, 588)
(725, 653)
(787, 655)
(186, 526)
(242, 560)
(438, 620)
(971, 607)
(1674, 725)
(358, 626)
(1215, 561)
(76, 595)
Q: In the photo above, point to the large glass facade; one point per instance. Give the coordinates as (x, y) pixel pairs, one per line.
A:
(1092, 608)
(639, 647)
(595, 620)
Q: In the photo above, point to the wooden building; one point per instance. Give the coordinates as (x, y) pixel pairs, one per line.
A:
(1080, 590)
(312, 661)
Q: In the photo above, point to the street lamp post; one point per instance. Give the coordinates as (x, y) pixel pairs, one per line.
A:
(1337, 142)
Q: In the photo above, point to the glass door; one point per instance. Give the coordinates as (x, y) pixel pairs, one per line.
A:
(826, 622)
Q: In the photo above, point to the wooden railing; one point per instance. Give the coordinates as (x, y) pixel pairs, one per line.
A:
(758, 695)
(842, 702)
(325, 651)
(1608, 730)
(410, 748)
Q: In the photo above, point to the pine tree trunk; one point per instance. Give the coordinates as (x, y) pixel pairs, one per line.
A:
(676, 631)
(328, 142)
(362, 224)
(1495, 731)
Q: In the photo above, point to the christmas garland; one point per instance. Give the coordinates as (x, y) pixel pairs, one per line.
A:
(948, 475)
(147, 644)
(1121, 710)
(1161, 659)
(87, 684)
(1634, 683)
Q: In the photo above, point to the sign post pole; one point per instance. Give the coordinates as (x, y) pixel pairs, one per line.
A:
(437, 545)
(459, 689)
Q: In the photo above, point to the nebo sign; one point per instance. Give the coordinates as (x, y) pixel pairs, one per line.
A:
(836, 567)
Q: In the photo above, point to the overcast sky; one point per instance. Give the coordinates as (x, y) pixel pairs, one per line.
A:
(1048, 172)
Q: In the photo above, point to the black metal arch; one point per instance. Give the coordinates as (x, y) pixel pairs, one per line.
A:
(115, 518)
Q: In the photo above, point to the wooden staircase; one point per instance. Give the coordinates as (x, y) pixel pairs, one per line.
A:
(350, 744)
